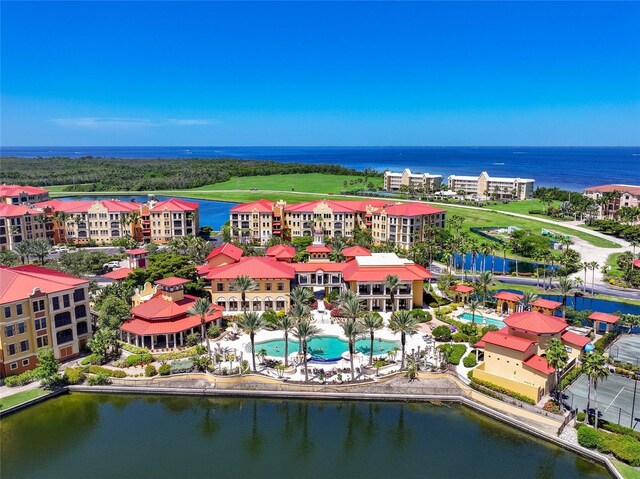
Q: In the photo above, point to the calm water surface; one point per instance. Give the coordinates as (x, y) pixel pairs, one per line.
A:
(122, 436)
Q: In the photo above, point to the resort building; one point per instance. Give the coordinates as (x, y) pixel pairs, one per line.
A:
(22, 195)
(41, 307)
(545, 306)
(507, 302)
(485, 186)
(424, 182)
(461, 293)
(610, 198)
(282, 252)
(162, 320)
(173, 218)
(19, 223)
(514, 357)
(396, 223)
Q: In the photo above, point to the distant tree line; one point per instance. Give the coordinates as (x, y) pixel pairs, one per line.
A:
(107, 174)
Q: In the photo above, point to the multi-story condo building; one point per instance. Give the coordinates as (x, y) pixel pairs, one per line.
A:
(427, 182)
(41, 307)
(610, 198)
(22, 195)
(485, 186)
(173, 218)
(19, 223)
(401, 224)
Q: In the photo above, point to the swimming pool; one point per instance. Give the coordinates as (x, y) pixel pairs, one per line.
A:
(326, 348)
(481, 319)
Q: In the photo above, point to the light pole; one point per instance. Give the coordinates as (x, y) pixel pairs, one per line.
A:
(633, 404)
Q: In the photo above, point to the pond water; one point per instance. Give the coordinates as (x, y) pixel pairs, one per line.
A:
(105, 436)
(212, 213)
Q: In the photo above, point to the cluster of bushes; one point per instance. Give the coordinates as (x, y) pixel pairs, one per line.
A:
(99, 380)
(470, 361)
(453, 352)
(74, 376)
(181, 366)
(442, 333)
(21, 379)
(78, 375)
(136, 360)
(481, 385)
(460, 338)
(570, 377)
(133, 349)
(185, 353)
(150, 370)
(552, 406)
(164, 369)
(114, 373)
(91, 359)
(603, 343)
(624, 447)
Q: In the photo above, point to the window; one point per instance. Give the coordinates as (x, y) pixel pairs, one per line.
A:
(65, 300)
(7, 311)
(280, 286)
(81, 311)
(19, 309)
(56, 303)
(267, 286)
(14, 366)
(24, 345)
(42, 341)
(62, 319)
(220, 287)
(25, 362)
(9, 331)
(78, 295)
(11, 349)
(65, 336)
(41, 323)
(21, 328)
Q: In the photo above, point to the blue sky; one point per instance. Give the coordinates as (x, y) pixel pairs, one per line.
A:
(514, 73)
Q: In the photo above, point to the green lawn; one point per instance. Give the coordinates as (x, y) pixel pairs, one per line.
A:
(521, 206)
(627, 471)
(310, 182)
(612, 263)
(18, 398)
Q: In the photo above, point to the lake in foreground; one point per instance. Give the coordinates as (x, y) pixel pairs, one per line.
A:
(106, 436)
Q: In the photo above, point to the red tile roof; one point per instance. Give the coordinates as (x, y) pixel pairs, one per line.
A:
(573, 338)
(171, 281)
(604, 317)
(256, 267)
(12, 211)
(261, 206)
(535, 322)
(117, 206)
(508, 296)
(540, 364)
(136, 251)
(634, 190)
(158, 308)
(281, 251)
(141, 327)
(498, 338)
(71, 206)
(118, 274)
(19, 282)
(545, 303)
(175, 204)
(316, 248)
(227, 249)
(407, 272)
(313, 267)
(412, 209)
(15, 190)
(462, 288)
(353, 251)
(337, 206)
(203, 269)
(636, 263)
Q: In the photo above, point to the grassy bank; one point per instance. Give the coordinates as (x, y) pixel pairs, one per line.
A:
(522, 207)
(627, 471)
(18, 398)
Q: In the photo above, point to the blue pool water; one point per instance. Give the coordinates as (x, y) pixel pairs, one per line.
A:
(479, 319)
(326, 348)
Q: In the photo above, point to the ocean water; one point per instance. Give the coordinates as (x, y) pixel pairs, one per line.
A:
(572, 168)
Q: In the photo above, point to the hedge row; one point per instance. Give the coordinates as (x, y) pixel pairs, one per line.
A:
(21, 379)
(470, 361)
(570, 377)
(624, 447)
(604, 342)
(501, 390)
(133, 349)
(185, 353)
(453, 352)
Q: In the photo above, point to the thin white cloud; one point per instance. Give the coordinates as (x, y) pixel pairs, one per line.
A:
(93, 122)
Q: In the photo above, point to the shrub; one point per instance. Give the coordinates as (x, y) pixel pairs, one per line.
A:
(185, 353)
(419, 314)
(552, 406)
(602, 343)
(164, 369)
(570, 377)
(192, 339)
(469, 361)
(580, 416)
(131, 348)
(181, 366)
(137, 360)
(460, 338)
(91, 359)
(442, 333)
(21, 379)
(499, 389)
(114, 373)
(150, 370)
(624, 447)
(99, 380)
(453, 352)
(74, 376)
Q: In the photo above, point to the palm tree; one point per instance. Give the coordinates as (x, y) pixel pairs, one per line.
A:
(474, 304)
(61, 218)
(585, 266)
(244, 284)
(134, 216)
(300, 295)
(528, 297)
(403, 322)
(352, 329)
(23, 249)
(564, 287)
(298, 312)
(251, 323)
(285, 324)
(557, 358)
(345, 295)
(371, 322)
(594, 366)
(593, 265)
(484, 281)
(351, 307)
(201, 308)
(39, 248)
(305, 330)
(392, 281)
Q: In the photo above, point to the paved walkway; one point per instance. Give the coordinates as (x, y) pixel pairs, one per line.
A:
(7, 391)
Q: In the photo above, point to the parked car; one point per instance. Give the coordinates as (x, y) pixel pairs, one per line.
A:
(111, 264)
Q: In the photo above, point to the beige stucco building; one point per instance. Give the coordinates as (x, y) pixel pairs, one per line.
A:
(484, 186)
(19, 223)
(619, 196)
(424, 181)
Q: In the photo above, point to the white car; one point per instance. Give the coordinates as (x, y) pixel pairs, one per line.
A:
(111, 264)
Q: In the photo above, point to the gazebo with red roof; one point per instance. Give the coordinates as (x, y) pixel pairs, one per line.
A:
(461, 292)
(164, 320)
(545, 306)
(603, 322)
(138, 258)
(508, 302)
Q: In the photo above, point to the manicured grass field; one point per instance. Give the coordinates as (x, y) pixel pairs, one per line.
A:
(17, 398)
(612, 263)
(522, 207)
(310, 182)
(626, 470)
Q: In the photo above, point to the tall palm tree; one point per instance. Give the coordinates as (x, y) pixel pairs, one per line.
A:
(403, 322)
(61, 218)
(345, 295)
(298, 312)
(565, 286)
(286, 324)
(371, 322)
(484, 281)
(251, 323)
(352, 329)
(474, 304)
(201, 308)
(594, 366)
(39, 248)
(528, 297)
(593, 265)
(305, 330)
(351, 307)
(557, 358)
(301, 295)
(243, 284)
(23, 249)
(392, 281)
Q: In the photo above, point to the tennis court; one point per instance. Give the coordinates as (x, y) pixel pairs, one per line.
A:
(615, 398)
(626, 349)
